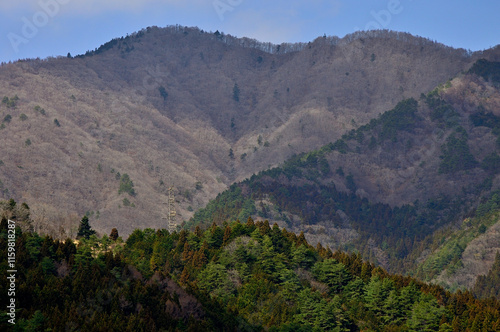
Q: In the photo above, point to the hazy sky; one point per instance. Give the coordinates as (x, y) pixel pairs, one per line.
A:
(41, 28)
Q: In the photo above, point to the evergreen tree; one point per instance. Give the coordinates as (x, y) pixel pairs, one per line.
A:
(333, 273)
(84, 230)
(426, 314)
(377, 291)
(310, 305)
(236, 92)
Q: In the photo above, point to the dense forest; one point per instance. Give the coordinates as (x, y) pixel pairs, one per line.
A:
(236, 277)
(306, 186)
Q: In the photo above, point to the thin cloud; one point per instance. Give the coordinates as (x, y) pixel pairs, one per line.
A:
(85, 7)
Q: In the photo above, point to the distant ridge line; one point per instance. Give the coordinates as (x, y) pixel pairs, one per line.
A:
(282, 48)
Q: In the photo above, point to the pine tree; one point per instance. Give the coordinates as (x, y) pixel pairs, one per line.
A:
(227, 235)
(186, 253)
(184, 276)
(425, 315)
(236, 92)
(85, 230)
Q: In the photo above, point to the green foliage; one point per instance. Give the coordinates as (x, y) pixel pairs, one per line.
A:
(37, 108)
(7, 118)
(492, 204)
(332, 273)
(304, 257)
(309, 308)
(488, 286)
(372, 144)
(446, 257)
(350, 184)
(399, 228)
(448, 248)
(36, 323)
(441, 111)
(247, 209)
(10, 102)
(214, 280)
(488, 70)
(163, 92)
(48, 266)
(426, 315)
(456, 154)
(56, 122)
(187, 195)
(126, 185)
(236, 93)
(484, 118)
(224, 207)
(340, 145)
(274, 282)
(402, 117)
(491, 163)
(376, 294)
(84, 230)
(23, 117)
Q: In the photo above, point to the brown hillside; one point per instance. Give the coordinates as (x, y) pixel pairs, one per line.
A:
(162, 106)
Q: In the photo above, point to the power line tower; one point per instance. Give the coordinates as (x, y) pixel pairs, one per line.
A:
(171, 224)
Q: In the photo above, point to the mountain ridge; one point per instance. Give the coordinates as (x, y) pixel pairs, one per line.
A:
(176, 108)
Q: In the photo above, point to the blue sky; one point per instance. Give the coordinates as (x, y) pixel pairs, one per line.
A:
(42, 28)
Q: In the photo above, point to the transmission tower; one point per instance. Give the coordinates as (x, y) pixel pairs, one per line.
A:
(171, 224)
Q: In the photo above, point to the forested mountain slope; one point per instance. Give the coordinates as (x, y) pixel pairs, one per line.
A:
(107, 133)
(467, 256)
(395, 188)
(238, 277)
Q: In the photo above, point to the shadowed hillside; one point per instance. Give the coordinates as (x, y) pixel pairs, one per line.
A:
(415, 189)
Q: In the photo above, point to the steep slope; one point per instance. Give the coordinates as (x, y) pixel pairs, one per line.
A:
(458, 256)
(387, 187)
(194, 110)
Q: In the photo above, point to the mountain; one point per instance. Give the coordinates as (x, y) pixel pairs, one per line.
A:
(415, 189)
(107, 133)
